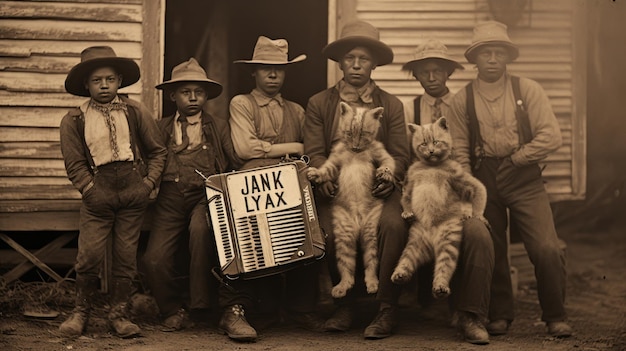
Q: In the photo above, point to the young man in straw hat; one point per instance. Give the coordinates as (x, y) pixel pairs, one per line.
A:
(195, 141)
(358, 51)
(502, 126)
(265, 127)
(432, 66)
(114, 156)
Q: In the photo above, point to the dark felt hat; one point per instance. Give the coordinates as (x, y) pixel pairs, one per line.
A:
(95, 57)
(359, 33)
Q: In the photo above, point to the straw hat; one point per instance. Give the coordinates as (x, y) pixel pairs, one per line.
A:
(490, 33)
(359, 33)
(190, 71)
(432, 49)
(271, 52)
(95, 57)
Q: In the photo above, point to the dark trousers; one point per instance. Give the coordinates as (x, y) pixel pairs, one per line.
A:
(180, 217)
(392, 238)
(114, 207)
(521, 191)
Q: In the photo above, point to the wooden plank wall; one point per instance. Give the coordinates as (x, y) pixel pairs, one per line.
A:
(545, 37)
(39, 42)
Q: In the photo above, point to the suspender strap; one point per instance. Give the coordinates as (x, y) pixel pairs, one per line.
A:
(416, 108)
(476, 149)
(521, 113)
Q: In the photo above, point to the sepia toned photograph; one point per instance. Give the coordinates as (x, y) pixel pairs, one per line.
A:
(355, 175)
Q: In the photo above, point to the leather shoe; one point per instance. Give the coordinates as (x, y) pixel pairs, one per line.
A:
(177, 321)
(472, 329)
(340, 321)
(382, 325)
(235, 325)
(309, 321)
(498, 327)
(559, 329)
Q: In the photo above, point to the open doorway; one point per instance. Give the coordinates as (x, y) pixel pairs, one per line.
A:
(217, 32)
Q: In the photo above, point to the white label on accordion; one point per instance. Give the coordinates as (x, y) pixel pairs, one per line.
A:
(264, 190)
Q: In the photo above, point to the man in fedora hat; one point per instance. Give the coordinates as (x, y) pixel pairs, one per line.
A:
(263, 123)
(358, 51)
(195, 141)
(265, 127)
(114, 156)
(432, 66)
(502, 126)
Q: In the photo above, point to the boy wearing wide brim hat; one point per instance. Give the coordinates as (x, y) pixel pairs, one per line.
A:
(431, 66)
(114, 157)
(196, 141)
(502, 127)
(358, 51)
(266, 128)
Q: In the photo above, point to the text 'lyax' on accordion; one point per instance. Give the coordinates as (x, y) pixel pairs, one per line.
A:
(264, 220)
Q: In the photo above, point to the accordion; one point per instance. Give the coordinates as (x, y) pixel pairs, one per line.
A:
(264, 220)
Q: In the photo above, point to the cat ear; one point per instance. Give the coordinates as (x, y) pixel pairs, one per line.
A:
(344, 108)
(378, 112)
(442, 122)
(412, 127)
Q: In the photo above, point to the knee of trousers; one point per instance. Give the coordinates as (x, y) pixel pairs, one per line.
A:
(475, 231)
(548, 252)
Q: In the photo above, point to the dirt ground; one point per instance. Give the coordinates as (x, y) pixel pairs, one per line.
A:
(596, 304)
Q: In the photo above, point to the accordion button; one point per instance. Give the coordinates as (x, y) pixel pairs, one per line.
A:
(300, 253)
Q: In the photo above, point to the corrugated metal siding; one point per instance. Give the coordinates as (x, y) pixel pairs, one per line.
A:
(39, 43)
(546, 55)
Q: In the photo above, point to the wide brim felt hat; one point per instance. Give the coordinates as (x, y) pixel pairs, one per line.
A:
(95, 57)
(359, 33)
(432, 50)
(190, 71)
(491, 33)
(271, 52)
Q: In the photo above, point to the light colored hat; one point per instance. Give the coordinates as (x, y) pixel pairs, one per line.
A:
(359, 33)
(432, 49)
(191, 71)
(95, 57)
(271, 52)
(490, 33)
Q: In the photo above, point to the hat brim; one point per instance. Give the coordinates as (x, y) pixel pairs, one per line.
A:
(298, 58)
(470, 53)
(338, 48)
(453, 65)
(75, 80)
(214, 89)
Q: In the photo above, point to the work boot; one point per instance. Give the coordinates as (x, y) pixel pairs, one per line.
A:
(340, 321)
(472, 329)
(118, 314)
(498, 327)
(76, 323)
(383, 324)
(559, 329)
(235, 325)
(307, 320)
(177, 321)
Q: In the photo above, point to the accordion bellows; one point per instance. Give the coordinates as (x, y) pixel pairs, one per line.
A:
(264, 220)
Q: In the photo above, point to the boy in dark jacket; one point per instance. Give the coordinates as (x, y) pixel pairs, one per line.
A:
(114, 156)
(195, 141)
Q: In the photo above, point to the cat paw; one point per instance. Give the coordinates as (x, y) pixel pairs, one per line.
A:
(372, 286)
(400, 277)
(384, 174)
(314, 175)
(441, 291)
(339, 291)
(408, 216)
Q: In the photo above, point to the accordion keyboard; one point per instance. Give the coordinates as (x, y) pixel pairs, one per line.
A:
(225, 249)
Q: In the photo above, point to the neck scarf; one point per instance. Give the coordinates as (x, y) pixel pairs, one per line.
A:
(106, 109)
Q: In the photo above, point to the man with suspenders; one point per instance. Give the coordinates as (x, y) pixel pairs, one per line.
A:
(502, 126)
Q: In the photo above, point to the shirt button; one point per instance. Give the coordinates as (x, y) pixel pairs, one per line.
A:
(176, 179)
(204, 147)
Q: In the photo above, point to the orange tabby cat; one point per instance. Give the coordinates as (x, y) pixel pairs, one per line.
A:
(355, 211)
(438, 195)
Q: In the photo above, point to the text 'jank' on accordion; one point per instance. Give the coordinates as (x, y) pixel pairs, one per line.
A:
(264, 220)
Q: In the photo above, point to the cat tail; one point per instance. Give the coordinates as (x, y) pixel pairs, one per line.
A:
(345, 232)
(418, 250)
(446, 250)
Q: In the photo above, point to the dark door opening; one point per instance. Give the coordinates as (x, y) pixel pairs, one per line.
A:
(217, 32)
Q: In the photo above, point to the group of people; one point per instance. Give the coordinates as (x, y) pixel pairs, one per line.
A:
(120, 159)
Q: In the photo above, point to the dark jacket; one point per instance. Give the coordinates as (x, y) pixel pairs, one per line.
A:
(217, 132)
(146, 142)
(318, 124)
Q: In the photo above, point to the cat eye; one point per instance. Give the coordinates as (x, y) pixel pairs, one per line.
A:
(436, 142)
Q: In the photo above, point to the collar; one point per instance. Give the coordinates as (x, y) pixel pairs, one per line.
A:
(190, 119)
(116, 100)
(350, 93)
(430, 100)
(264, 100)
